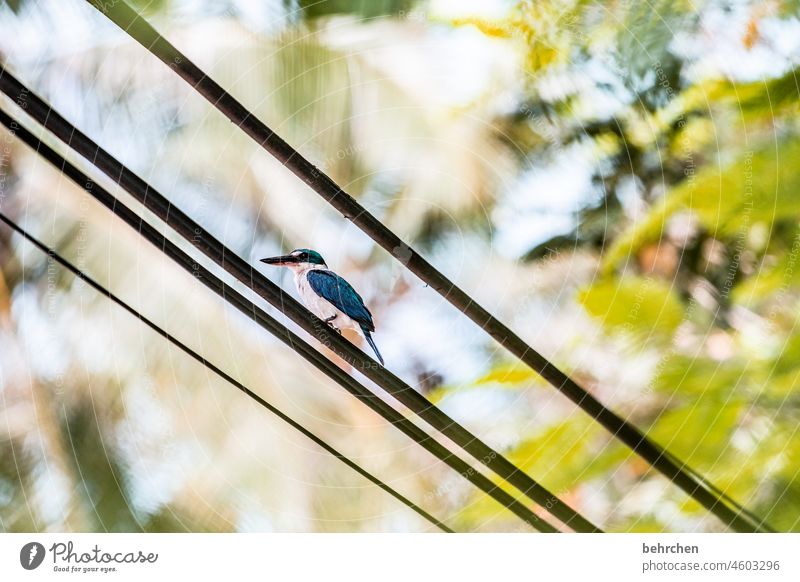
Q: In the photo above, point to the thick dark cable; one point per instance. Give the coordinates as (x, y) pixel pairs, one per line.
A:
(698, 488)
(279, 330)
(256, 281)
(50, 252)
(759, 522)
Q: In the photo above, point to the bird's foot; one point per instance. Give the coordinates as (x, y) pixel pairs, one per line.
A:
(330, 324)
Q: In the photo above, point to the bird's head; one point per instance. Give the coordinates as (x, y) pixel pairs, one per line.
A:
(298, 258)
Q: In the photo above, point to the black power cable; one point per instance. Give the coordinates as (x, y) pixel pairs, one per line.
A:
(280, 331)
(256, 281)
(50, 252)
(696, 486)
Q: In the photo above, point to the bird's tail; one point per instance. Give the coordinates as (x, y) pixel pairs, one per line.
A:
(369, 339)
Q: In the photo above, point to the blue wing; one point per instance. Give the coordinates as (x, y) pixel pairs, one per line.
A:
(341, 294)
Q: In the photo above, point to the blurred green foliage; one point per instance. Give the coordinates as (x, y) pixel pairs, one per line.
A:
(634, 304)
(702, 280)
(362, 8)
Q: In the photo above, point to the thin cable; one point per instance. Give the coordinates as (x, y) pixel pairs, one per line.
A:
(195, 234)
(50, 252)
(698, 488)
(279, 330)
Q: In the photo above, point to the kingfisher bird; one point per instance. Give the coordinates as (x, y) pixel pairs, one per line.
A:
(327, 295)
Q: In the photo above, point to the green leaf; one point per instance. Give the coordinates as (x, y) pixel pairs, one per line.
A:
(699, 430)
(508, 373)
(761, 97)
(635, 305)
(770, 281)
(759, 186)
(648, 229)
(569, 454)
(693, 377)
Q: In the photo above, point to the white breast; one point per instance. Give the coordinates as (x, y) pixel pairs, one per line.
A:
(319, 306)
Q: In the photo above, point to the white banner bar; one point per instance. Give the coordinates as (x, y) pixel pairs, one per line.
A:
(401, 557)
